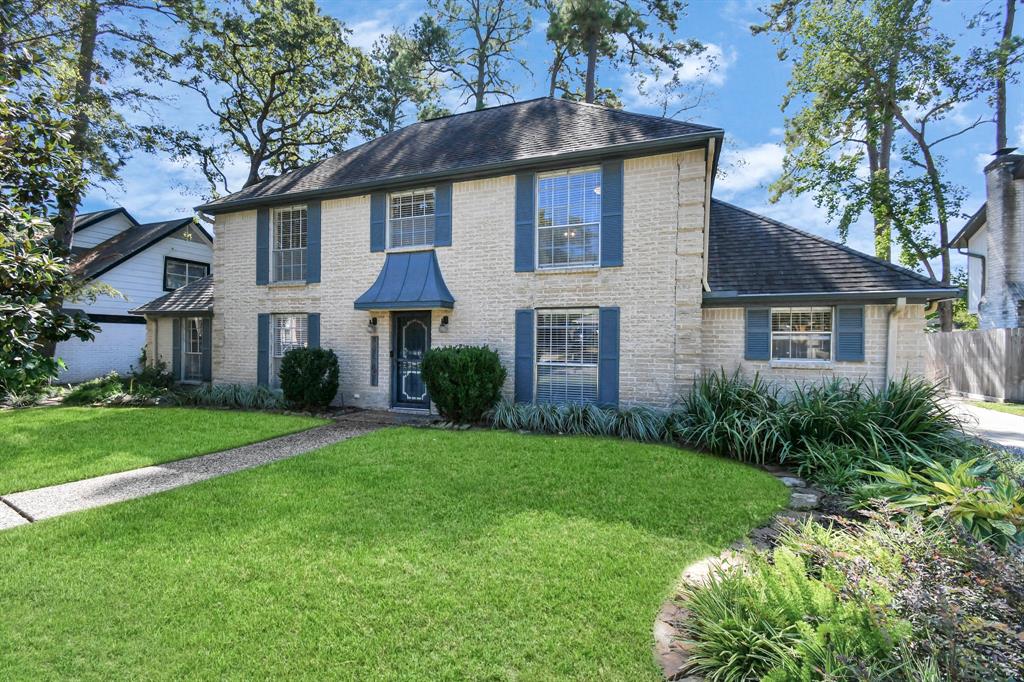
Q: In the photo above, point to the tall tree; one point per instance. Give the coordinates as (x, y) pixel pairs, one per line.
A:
(400, 80)
(89, 44)
(620, 31)
(282, 83)
(875, 80)
(38, 164)
(1001, 61)
(472, 44)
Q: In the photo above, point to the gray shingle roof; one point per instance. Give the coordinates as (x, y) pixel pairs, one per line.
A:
(123, 245)
(499, 137)
(84, 220)
(196, 298)
(751, 255)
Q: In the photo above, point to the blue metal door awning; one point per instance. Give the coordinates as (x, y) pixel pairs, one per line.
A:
(408, 281)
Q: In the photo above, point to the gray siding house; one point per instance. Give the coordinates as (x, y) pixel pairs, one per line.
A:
(582, 243)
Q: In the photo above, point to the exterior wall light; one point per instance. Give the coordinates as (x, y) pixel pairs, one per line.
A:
(371, 326)
(443, 327)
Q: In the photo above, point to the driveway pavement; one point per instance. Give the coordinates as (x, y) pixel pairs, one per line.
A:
(999, 427)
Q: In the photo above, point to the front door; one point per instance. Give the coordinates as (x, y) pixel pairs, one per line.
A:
(412, 340)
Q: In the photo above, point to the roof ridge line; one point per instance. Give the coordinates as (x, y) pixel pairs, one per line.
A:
(829, 242)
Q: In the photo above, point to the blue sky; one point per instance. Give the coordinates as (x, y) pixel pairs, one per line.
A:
(742, 95)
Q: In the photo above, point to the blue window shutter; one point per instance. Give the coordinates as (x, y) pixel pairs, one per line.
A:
(524, 356)
(378, 220)
(313, 241)
(206, 360)
(263, 349)
(850, 333)
(759, 334)
(611, 213)
(176, 348)
(608, 358)
(313, 330)
(525, 226)
(262, 246)
(443, 214)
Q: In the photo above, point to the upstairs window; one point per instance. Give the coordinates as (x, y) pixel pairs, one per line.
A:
(287, 332)
(179, 272)
(411, 218)
(567, 354)
(289, 244)
(802, 334)
(569, 218)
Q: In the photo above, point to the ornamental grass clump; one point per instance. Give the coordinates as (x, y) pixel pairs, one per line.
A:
(242, 396)
(642, 424)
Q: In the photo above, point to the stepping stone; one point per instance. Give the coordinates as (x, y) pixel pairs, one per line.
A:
(803, 500)
(793, 482)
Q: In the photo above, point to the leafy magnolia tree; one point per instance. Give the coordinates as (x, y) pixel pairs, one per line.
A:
(36, 166)
(620, 32)
(871, 82)
(282, 83)
(400, 80)
(473, 42)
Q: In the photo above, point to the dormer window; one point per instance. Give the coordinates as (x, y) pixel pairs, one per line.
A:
(411, 218)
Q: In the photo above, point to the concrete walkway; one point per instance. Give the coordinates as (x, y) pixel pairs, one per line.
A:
(999, 427)
(33, 505)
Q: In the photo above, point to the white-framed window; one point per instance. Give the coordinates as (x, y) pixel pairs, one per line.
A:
(411, 218)
(178, 272)
(802, 334)
(289, 244)
(192, 349)
(567, 351)
(569, 218)
(287, 332)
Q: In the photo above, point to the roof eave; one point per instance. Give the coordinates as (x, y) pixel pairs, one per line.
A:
(732, 298)
(676, 142)
(205, 312)
(974, 223)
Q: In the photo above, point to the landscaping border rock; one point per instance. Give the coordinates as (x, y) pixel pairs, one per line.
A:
(671, 650)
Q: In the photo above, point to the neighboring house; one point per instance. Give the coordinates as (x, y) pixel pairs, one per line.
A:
(140, 262)
(993, 241)
(581, 243)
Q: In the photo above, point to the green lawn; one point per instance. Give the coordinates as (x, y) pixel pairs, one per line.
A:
(46, 446)
(407, 554)
(1011, 408)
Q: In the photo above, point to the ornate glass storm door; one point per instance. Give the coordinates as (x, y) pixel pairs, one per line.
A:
(412, 340)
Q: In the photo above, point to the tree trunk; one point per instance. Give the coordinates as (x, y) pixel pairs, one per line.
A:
(254, 171)
(1001, 75)
(481, 72)
(67, 201)
(591, 65)
(556, 68)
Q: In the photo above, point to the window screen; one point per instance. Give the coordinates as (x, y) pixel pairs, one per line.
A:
(567, 356)
(411, 218)
(287, 332)
(568, 218)
(289, 245)
(801, 333)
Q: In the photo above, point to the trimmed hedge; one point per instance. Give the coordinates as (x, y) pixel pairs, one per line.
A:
(309, 377)
(464, 381)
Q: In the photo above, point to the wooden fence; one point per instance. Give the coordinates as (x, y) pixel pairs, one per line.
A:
(981, 364)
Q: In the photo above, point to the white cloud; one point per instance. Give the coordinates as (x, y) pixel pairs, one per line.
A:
(980, 161)
(710, 66)
(747, 168)
(1019, 134)
(741, 13)
(365, 33)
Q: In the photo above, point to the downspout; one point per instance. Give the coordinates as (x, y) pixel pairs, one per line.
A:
(965, 252)
(710, 162)
(890, 349)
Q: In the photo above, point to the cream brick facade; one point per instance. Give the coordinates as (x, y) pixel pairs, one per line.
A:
(666, 339)
(723, 344)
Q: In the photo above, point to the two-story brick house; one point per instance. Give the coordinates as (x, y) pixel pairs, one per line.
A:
(581, 243)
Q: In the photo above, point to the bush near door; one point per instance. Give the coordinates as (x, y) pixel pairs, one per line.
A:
(463, 381)
(309, 377)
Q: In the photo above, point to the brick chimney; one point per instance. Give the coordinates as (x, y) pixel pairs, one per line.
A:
(1001, 306)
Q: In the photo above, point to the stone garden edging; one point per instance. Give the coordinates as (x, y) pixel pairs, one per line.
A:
(671, 651)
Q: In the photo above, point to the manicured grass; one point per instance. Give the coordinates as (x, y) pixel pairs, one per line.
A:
(1010, 408)
(46, 446)
(407, 554)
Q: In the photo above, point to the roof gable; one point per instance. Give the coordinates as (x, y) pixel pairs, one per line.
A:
(84, 220)
(750, 255)
(496, 138)
(122, 246)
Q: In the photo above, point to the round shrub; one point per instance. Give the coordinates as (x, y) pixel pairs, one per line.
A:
(464, 381)
(309, 377)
